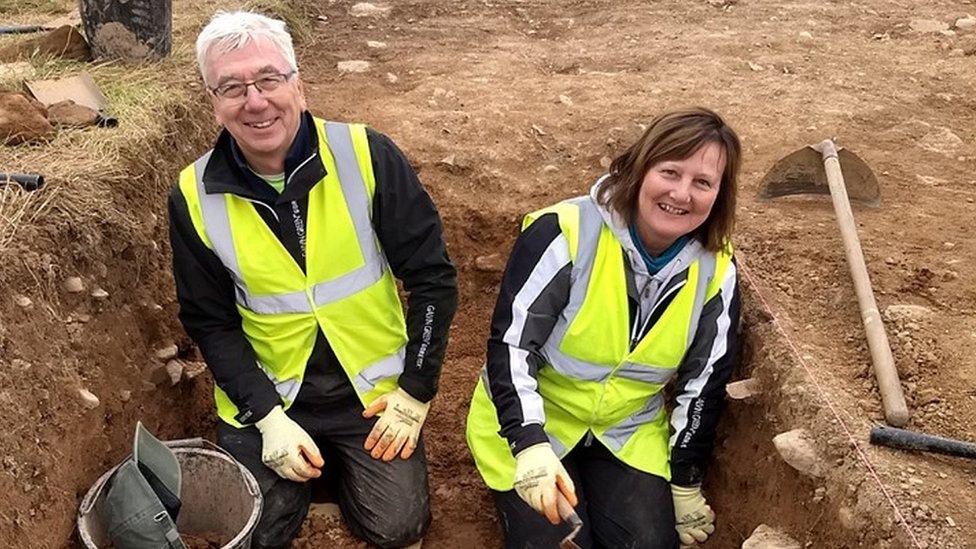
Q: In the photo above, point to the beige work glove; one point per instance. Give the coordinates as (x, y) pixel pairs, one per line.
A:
(398, 429)
(538, 474)
(287, 448)
(695, 520)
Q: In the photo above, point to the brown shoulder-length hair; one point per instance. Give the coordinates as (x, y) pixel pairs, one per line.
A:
(676, 135)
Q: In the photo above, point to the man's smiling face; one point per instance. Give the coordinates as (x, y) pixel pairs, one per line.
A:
(264, 124)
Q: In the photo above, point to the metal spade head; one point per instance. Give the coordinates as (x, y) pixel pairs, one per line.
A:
(802, 172)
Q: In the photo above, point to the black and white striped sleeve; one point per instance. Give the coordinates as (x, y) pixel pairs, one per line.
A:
(700, 390)
(534, 290)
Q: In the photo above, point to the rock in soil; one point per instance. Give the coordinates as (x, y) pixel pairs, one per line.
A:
(68, 113)
(167, 352)
(354, 66)
(88, 399)
(928, 25)
(797, 448)
(64, 42)
(742, 389)
(73, 285)
(766, 537)
(21, 120)
(494, 263)
(966, 23)
(365, 9)
(325, 511)
(174, 369)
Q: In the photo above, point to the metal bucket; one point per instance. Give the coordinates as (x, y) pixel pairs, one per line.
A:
(219, 495)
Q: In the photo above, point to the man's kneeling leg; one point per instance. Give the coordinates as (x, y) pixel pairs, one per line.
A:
(386, 503)
(285, 502)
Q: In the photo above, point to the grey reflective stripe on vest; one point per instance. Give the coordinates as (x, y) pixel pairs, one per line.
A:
(590, 225)
(558, 447)
(216, 221)
(376, 372)
(288, 389)
(706, 271)
(618, 435)
(641, 372)
(339, 137)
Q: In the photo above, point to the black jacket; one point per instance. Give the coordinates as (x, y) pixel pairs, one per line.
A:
(409, 230)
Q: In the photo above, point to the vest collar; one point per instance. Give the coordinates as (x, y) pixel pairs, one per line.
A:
(227, 171)
(692, 249)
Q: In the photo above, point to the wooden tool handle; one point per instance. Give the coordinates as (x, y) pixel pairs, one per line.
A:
(566, 511)
(896, 411)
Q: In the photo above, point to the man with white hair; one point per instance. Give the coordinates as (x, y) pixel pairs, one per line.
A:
(286, 239)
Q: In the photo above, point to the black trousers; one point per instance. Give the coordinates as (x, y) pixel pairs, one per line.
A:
(385, 503)
(620, 507)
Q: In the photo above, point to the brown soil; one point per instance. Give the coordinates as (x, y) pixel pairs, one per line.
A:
(505, 106)
(203, 541)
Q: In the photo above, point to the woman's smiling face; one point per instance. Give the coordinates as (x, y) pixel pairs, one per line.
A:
(676, 196)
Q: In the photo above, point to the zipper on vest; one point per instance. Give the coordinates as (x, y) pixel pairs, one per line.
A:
(589, 439)
(270, 209)
(639, 334)
(299, 167)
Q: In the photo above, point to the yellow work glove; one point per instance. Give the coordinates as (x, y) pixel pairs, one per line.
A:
(695, 520)
(287, 448)
(399, 426)
(538, 474)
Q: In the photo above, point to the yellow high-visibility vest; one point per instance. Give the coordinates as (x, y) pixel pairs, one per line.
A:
(592, 380)
(347, 289)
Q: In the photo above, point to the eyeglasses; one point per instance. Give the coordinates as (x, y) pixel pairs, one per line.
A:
(265, 84)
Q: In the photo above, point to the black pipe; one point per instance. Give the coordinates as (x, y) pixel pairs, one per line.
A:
(910, 440)
(29, 181)
(23, 29)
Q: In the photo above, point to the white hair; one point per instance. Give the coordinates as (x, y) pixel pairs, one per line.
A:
(228, 31)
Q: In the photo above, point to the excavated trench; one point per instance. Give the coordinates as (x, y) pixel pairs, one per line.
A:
(749, 483)
(111, 346)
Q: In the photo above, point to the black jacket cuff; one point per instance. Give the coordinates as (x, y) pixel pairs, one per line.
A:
(687, 475)
(525, 436)
(257, 406)
(416, 388)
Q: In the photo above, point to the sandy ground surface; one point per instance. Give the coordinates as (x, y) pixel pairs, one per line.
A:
(507, 106)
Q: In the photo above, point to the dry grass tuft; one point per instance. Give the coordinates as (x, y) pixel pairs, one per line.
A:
(47, 7)
(103, 183)
(19, 207)
(292, 12)
(90, 167)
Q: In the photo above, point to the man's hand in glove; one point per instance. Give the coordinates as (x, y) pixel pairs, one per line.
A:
(538, 474)
(399, 427)
(695, 520)
(287, 448)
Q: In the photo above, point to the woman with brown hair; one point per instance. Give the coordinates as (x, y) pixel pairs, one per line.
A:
(606, 299)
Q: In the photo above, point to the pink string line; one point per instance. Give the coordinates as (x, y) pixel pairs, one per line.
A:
(823, 395)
